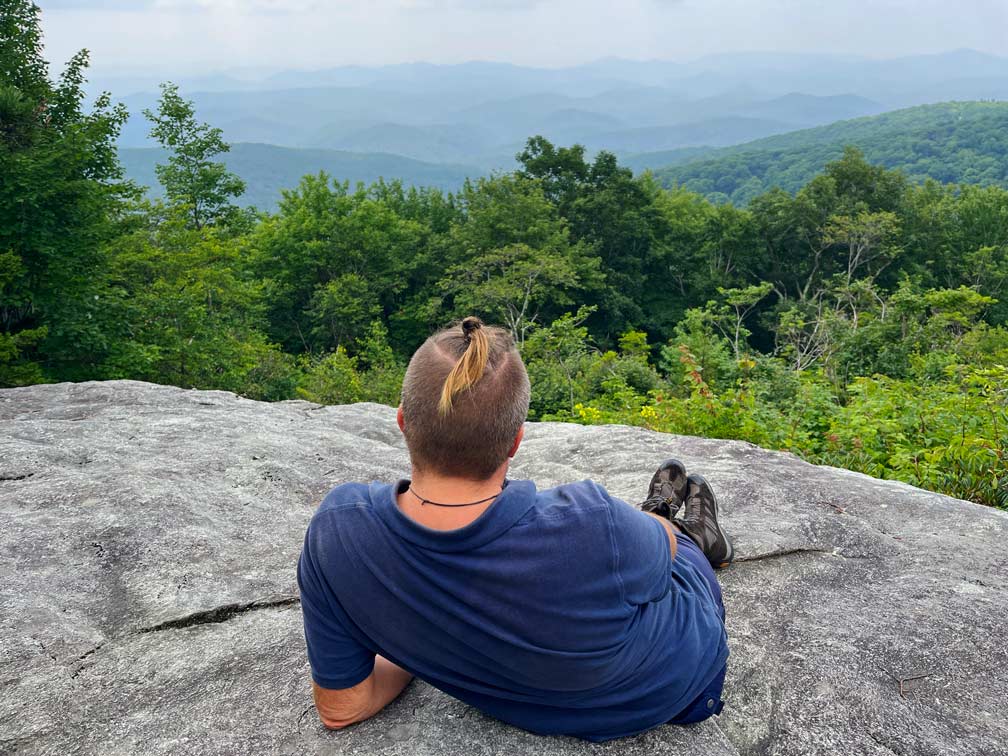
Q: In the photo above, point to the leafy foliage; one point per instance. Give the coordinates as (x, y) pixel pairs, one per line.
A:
(185, 313)
(956, 142)
(59, 198)
(191, 177)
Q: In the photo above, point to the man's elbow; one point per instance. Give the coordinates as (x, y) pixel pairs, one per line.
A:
(330, 723)
(336, 718)
(339, 708)
(337, 721)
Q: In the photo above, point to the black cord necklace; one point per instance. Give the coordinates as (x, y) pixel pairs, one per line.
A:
(468, 504)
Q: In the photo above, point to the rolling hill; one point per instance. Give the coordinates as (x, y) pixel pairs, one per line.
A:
(487, 132)
(950, 142)
(476, 113)
(268, 169)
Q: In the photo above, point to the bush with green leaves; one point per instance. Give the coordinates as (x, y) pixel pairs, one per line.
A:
(61, 190)
(941, 428)
(340, 378)
(947, 435)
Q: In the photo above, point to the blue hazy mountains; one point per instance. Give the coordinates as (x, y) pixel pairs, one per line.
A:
(268, 169)
(434, 124)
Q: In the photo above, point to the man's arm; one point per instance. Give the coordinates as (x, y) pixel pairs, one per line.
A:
(339, 708)
(670, 530)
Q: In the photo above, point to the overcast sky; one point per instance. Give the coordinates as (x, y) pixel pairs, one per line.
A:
(184, 36)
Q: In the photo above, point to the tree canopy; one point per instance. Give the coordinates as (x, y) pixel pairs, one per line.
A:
(955, 142)
(59, 199)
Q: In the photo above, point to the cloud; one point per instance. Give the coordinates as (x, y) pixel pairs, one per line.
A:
(291, 6)
(240, 6)
(201, 35)
(228, 6)
(84, 5)
(491, 5)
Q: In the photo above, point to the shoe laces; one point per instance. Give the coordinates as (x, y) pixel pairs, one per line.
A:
(656, 504)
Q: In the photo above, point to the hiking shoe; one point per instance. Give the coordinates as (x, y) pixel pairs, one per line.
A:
(667, 489)
(700, 523)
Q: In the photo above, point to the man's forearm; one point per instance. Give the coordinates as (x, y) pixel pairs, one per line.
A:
(390, 680)
(337, 709)
(670, 530)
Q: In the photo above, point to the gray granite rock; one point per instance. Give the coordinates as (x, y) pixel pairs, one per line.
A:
(148, 604)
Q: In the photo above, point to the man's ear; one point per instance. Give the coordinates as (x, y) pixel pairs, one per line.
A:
(399, 419)
(517, 441)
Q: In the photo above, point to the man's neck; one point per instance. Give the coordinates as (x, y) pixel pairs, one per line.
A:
(449, 490)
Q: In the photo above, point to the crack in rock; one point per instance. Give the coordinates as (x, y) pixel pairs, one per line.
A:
(16, 477)
(82, 657)
(799, 550)
(88, 653)
(782, 553)
(218, 614)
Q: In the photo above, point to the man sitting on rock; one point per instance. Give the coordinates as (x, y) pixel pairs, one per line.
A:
(562, 611)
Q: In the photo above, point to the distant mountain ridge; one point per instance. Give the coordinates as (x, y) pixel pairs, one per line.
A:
(488, 134)
(949, 142)
(477, 113)
(953, 142)
(268, 169)
(773, 73)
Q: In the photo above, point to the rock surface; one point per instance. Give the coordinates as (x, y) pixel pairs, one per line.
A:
(148, 538)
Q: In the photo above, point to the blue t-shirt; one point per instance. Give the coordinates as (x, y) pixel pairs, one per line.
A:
(560, 611)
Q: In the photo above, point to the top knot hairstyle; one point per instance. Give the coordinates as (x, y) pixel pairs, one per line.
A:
(469, 369)
(464, 398)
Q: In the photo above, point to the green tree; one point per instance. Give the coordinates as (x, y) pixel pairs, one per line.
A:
(332, 253)
(697, 248)
(562, 170)
(515, 261)
(187, 313)
(806, 332)
(860, 184)
(611, 213)
(555, 356)
(331, 378)
(60, 193)
(730, 313)
(374, 375)
(867, 238)
(341, 311)
(710, 352)
(191, 177)
(512, 285)
(384, 372)
(615, 217)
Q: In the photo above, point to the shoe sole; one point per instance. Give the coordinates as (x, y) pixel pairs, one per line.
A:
(731, 548)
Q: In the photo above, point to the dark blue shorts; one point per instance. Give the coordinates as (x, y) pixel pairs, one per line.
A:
(708, 703)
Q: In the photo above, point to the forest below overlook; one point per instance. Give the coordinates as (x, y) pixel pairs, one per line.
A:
(951, 142)
(859, 321)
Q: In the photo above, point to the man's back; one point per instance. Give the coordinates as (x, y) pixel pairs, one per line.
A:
(559, 611)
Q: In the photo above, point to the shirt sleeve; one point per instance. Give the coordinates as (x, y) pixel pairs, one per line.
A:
(337, 659)
(643, 554)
